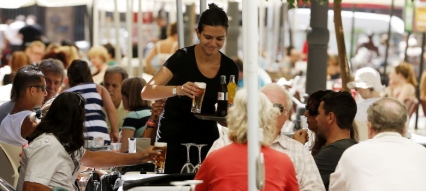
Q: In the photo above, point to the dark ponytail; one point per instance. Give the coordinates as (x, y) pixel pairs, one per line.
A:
(213, 16)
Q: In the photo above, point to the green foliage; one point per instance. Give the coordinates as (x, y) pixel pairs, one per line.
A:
(291, 3)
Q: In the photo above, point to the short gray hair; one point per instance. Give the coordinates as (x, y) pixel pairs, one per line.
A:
(117, 69)
(52, 65)
(237, 118)
(275, 87)
(387, 114)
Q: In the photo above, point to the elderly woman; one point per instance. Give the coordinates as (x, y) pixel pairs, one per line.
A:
(219, 171)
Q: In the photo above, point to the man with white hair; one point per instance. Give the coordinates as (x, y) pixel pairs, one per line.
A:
(368, 85)
(387, 161)
(306, 170)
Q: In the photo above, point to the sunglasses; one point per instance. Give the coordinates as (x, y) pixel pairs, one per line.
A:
(310, 111)
(43, 88)
(279, 106)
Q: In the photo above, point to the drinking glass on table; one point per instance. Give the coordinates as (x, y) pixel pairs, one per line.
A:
(188, 167)
(197, 102)
(115, 147)
(160, 160)
(197, 167)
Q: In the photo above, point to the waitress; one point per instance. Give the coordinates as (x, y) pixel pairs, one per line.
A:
(202, 62)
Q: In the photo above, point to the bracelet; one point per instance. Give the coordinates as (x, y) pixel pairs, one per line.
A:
(151, 123)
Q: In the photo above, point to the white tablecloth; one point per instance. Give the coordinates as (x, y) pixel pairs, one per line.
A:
(149, 188)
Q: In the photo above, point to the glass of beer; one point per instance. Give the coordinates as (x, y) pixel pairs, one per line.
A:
(197, 102)
(160, 160)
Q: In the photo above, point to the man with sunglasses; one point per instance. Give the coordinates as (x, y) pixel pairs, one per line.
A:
(28, 92)
(307, 173)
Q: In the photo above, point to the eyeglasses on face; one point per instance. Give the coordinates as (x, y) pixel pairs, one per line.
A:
(279, 106)
(43, 88)
(310, 111)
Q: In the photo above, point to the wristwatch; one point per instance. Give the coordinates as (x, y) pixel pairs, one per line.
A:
(174, 91)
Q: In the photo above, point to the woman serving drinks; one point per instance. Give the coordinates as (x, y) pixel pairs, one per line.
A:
(175, 81)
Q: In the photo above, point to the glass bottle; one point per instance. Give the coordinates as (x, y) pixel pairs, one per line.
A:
(222, 98)
(232, 90)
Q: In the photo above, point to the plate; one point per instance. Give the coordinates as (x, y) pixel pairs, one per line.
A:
(210, 117)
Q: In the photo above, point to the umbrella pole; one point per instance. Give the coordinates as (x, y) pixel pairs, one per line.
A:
(387, 42)
(352, 32)
(422, 60)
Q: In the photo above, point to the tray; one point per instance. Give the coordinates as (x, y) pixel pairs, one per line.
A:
(210, 117)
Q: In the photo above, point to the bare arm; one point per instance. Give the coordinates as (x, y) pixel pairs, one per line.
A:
(110, 110)
(156, 88)
(27, 127)
(125, 134)
(32, 186)
(101, 159)
(149, 58)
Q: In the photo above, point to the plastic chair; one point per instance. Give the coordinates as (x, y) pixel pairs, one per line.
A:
(10, 156)
(5, 186)
(411, 104)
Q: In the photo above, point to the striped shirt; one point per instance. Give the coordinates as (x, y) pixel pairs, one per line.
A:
(136, 120)
(95, 118)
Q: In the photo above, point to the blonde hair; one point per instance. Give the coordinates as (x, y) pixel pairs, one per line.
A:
(71, 53)
(37, 43)
(99, 51)
(237, 118)
(407, 71)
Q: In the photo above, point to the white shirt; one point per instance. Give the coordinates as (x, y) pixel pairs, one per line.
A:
(46, 162)
(306, 170)
(388, 162)
(361, 117)
(10, 128)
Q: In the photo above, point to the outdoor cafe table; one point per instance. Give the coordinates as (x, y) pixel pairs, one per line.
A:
(130, 176)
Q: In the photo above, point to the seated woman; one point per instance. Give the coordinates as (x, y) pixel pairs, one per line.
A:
(402, 82)
(80, 80)
(135, 122)
(55, 149)
(163, 49)
(221, 172)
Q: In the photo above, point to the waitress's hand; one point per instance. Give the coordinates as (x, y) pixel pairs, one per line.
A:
(188, 89)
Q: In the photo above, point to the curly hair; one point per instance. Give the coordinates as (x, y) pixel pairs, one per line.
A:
(237, 118)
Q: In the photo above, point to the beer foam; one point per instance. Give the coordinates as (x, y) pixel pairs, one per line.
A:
(160, 144)
(201, 85)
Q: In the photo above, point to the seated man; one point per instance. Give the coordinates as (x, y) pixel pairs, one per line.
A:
(336, 114)
(387, 161)
(368, 85)
(29, 90)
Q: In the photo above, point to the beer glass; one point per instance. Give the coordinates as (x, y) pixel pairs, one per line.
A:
(198, 100)
(160, 160)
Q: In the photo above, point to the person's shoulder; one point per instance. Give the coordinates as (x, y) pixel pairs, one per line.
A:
(42, 142)
(342, 144)
(291, 147)
(228, 61)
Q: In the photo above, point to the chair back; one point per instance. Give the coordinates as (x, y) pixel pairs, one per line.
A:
(9, 155)
(5, 186)
(411, 104)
